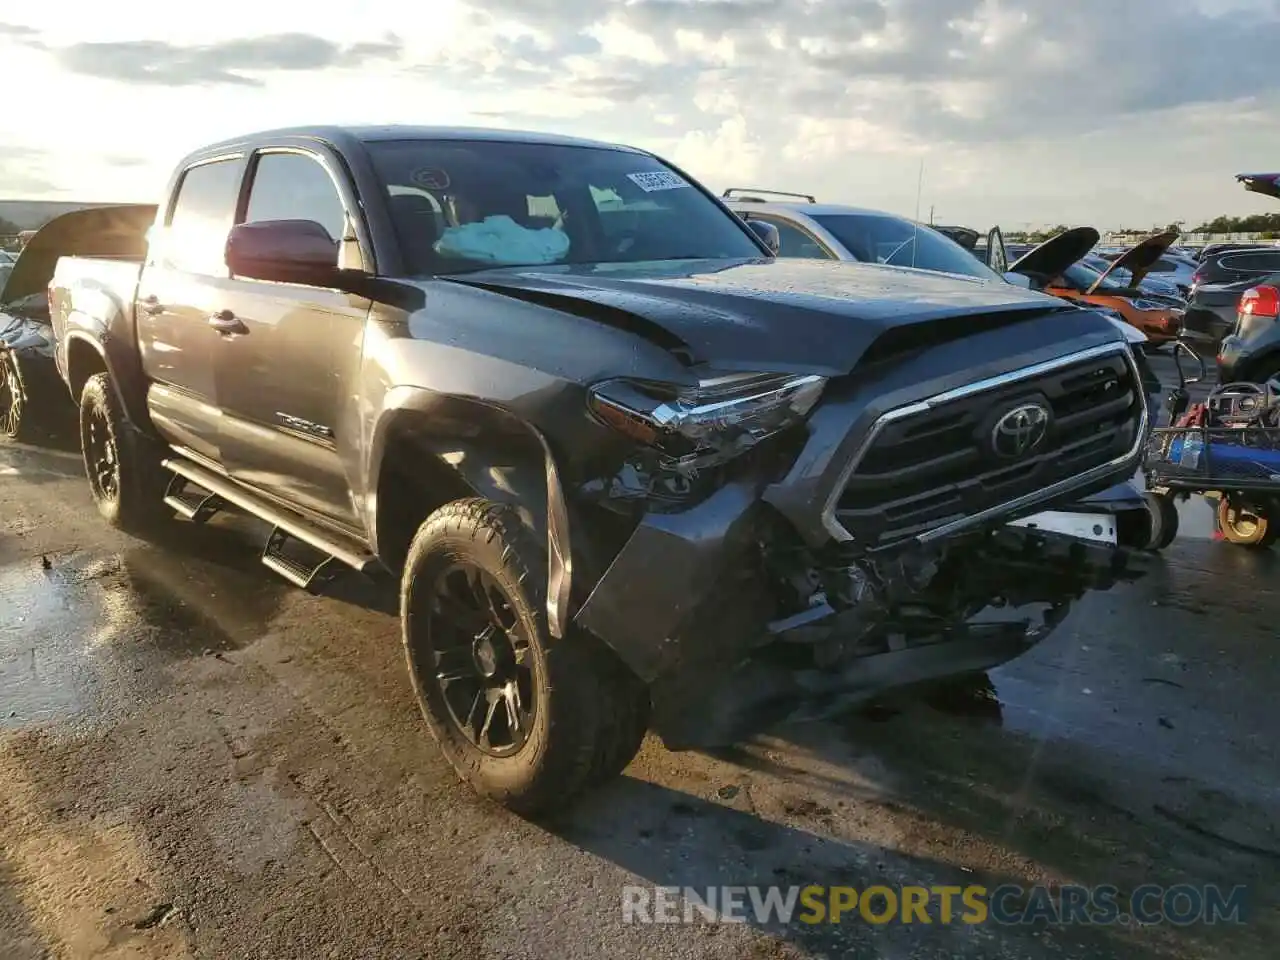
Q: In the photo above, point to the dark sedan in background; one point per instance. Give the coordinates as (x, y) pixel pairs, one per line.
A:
(1226, 271)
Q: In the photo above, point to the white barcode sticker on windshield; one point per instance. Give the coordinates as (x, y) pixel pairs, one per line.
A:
(656, 180)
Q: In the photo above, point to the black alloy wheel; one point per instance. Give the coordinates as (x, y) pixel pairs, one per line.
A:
(101, 455)
(483, 669)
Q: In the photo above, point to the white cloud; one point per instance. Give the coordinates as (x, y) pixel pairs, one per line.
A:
(1023, 110)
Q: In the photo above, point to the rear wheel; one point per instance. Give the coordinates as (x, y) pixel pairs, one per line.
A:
(526, 719)
(124, 470)
(1245, 524)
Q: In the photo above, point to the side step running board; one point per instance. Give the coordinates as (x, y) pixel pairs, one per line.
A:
(193, 505)
(287, 524)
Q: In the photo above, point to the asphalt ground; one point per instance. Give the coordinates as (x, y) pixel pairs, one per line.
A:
(198, 760)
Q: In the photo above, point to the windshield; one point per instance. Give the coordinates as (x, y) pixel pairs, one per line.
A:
(460, 206)
(1082, 276)
(877, 238)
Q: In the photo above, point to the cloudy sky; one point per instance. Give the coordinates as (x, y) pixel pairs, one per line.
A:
(1024, 112)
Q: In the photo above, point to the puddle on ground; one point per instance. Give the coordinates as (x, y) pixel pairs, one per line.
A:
(84, 636)
(49, 625)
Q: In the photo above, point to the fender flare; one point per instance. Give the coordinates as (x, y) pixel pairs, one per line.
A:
(532, 482)
(134, 407)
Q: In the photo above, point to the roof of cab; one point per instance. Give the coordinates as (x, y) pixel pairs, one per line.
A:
(351, 135)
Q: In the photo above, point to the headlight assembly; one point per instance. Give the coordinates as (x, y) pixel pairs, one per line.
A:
(718, 420)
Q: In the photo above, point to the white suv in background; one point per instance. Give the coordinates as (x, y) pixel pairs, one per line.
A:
(832, 231)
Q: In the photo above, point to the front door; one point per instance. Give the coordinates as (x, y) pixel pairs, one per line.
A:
(997, 256)
(181, 284)
(287, 377)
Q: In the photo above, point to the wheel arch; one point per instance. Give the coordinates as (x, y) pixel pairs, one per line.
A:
(86, 357)
(427, 450)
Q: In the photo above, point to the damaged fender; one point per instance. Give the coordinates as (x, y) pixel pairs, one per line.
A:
(521, 471)
(663, 571)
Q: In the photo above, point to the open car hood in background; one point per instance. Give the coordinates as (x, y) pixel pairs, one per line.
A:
(1266, 183)
(115, 231)
(1050, 258)
(1138, 259)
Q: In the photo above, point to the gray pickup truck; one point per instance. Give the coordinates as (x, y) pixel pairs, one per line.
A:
(631, 471)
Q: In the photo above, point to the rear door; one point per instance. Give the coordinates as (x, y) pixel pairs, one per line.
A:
(286, 379)
(182, 282)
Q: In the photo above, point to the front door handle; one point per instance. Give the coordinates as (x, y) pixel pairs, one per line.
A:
(152, 306)
(226, 323)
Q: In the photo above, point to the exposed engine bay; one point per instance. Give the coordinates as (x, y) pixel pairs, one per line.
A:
(842, 628)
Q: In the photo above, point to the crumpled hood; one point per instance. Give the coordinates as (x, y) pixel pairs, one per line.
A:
(119, 230)
(781, 315)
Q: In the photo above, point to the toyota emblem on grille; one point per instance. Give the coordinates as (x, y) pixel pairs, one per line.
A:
(1020, 430)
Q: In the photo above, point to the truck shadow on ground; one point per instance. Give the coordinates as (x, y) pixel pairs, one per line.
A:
(671, 839)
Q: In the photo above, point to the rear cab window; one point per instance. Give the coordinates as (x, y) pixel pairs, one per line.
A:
(200, 217)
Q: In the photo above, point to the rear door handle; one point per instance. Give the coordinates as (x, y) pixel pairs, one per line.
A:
(226, 323)
(152, 306)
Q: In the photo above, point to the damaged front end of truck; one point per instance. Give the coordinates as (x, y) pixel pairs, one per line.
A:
(803, 543)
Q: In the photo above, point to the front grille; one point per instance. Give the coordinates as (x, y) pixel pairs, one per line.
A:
(935, 466)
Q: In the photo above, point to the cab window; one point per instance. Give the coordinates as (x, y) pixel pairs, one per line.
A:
(794, 242)
(293, 186)
(195, 236)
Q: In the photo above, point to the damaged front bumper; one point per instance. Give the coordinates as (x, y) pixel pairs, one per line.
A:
(745, 609)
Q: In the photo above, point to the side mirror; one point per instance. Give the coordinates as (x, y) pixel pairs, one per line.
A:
(1019, 280)
(768, 233)
(286, 251)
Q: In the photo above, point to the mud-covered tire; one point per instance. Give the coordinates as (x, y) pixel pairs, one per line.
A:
(626, 709)
(1163, 514)
(574, 738)
(129, 491)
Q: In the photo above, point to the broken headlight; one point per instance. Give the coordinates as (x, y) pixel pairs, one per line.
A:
(708, 424)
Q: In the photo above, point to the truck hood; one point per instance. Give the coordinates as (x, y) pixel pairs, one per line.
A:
(777, 315)
(1138, 259)
(1265, 183)
(115, 231)
(1051, 258)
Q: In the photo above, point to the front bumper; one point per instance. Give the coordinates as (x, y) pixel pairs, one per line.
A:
(1208, 325)
(674, 565)
(1233, 357)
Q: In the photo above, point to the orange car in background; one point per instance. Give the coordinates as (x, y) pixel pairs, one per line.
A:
(1157, 315)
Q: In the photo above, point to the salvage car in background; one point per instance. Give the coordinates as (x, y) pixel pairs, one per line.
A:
(1227, 271)
(629, 467)
(1158, 316)
(32, 398)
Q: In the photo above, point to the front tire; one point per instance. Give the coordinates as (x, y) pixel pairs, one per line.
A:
(124, 472)
(525, 719)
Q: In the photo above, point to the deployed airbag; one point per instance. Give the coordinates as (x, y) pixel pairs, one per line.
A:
(500, 240)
